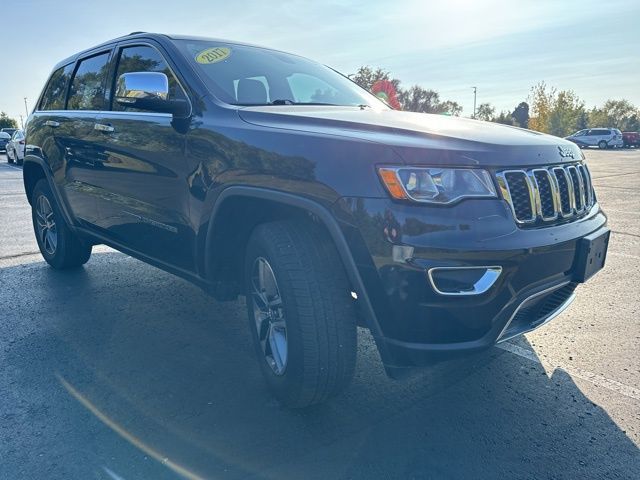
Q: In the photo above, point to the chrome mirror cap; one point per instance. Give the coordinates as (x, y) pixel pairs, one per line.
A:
(135, 86)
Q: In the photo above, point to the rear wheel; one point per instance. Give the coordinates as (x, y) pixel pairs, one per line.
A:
(301, 314)
(602, 145)
(60, 247)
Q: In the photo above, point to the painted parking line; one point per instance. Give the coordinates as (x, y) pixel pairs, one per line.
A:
(575, 372)
(625, 255)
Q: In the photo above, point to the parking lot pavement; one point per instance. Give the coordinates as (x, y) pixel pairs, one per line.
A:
(121, 371)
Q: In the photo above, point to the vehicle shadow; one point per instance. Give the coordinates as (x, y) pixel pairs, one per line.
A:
(118, 370)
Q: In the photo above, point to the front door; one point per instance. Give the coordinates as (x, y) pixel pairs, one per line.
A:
(141, 171)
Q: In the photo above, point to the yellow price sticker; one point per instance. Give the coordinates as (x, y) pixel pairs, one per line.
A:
(213, 55)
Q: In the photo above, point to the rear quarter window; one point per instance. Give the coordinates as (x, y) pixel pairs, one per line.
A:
(56, 90)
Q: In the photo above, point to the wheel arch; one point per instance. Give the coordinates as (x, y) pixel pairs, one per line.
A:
(32, 172)
(35, 169)
(256, 205)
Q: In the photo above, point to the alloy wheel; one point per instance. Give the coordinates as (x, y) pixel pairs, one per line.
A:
(47, 232)
(268, 315)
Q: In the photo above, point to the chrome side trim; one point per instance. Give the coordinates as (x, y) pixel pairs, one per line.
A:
(483, 284)
(93, 113)
(547, 319)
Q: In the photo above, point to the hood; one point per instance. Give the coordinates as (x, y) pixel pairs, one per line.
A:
(422, 138)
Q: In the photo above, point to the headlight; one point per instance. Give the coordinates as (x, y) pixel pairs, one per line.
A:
(437, 185)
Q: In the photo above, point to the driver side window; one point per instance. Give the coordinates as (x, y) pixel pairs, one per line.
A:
(143, 58)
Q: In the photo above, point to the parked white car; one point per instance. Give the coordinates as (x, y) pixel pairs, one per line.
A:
(597, 137)
(15, 148)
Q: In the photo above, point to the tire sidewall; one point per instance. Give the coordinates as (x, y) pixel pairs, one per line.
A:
(290, 381)
(55, 259)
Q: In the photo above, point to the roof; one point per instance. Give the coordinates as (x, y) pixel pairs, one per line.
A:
(152, 36)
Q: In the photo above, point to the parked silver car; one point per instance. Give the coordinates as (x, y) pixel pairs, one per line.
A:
(597, 137)
(15, 148)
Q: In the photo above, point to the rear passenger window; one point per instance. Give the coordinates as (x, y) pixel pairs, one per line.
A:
(54, 94)
(87, 87)
(145, 59)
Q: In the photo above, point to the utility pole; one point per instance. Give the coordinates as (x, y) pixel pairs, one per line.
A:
(21, 123)
(475, 90)
(26, 108)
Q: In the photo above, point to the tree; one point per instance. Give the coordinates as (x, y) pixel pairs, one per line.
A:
(367, 76)
(486, 112)
(418, 99)
(449, 107)
(617, 114)
(7, 122)
(556, 112)
(566, 113)
(505, 118)
(542, 100)
(521, 115)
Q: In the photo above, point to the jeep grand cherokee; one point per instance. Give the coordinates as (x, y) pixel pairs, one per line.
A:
(254, 172)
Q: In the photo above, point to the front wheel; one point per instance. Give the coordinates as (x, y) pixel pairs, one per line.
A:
(60, 247)
(602, 145)
(9, 157)
(301, 314)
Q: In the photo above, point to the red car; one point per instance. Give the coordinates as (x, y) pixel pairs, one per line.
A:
(631, 139)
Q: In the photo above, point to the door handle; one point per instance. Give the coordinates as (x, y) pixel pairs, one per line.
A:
(52, 123)
(101, 127)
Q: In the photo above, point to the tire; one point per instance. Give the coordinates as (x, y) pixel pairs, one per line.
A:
(602, 145)
(311, 310)
(9, 158)
(60, 247)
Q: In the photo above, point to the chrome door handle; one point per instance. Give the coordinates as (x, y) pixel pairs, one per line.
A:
(52, 123)
(101, 127)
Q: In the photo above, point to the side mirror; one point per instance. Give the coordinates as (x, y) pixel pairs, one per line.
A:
(148, 91)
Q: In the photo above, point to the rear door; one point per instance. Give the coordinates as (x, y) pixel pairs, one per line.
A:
(142, 170)
(76, 135)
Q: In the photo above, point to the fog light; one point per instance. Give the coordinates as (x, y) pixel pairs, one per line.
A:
(463, 280)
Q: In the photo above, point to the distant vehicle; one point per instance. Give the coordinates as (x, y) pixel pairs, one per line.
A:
(8, 130)
(4, 139)
(631, 139)
(15, 148)
(597, 137)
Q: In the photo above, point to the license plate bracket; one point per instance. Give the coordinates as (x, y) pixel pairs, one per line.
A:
(591, 254)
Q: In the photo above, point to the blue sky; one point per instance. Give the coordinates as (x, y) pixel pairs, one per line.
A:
(501, 46)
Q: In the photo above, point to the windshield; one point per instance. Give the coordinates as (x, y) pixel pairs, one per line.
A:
(245, 75)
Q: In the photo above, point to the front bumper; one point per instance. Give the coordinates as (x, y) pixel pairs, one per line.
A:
(395, 245)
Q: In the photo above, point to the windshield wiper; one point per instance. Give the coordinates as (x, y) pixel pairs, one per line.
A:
(286, 101)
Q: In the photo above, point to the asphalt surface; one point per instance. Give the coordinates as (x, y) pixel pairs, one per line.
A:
(121, 371)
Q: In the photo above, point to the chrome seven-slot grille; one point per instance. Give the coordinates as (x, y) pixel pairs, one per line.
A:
(547, 194)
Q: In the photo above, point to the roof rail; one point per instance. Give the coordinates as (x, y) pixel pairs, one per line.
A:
(135, 33)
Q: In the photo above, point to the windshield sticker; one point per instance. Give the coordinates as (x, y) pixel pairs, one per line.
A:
(213, 55)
